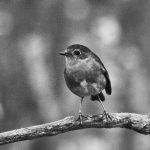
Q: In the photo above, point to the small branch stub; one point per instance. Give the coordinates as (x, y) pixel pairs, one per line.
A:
(137, 122)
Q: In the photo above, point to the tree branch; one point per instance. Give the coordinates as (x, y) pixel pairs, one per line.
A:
(136, 122)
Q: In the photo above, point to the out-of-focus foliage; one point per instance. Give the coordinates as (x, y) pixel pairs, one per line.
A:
(32, 87)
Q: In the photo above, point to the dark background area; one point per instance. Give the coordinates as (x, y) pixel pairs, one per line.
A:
(32, 86)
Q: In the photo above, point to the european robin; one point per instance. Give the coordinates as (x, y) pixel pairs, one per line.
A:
(86, 75)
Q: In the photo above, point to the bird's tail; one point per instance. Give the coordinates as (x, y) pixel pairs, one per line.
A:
(97, 97)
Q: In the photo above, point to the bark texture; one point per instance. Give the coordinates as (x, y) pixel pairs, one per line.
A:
(137, 122)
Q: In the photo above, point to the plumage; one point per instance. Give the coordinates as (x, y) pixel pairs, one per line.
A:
(95, 80)
(87, 66)
(98, 96)
(86, 75)
(108, 88)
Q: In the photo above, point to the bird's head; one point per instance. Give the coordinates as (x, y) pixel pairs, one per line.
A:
(75, 53)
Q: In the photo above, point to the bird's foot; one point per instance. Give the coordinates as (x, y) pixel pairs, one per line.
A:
(80, 118)
(106, 115)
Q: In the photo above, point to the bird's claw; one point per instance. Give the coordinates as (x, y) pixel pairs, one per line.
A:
(80, 118)
(106, 115)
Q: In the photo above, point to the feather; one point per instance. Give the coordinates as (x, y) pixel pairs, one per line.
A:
(108, 88)
(97, 97)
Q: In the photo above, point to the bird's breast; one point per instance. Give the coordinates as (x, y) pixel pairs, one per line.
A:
(85, 82)
(84, 88)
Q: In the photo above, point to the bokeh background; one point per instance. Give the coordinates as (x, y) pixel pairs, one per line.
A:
(32, 87)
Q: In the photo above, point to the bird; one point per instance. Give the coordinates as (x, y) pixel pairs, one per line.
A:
(85, 75)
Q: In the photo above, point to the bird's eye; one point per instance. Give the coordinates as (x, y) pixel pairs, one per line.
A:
(77, 52)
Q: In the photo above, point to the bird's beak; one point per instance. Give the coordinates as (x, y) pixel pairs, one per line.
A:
(64, 53)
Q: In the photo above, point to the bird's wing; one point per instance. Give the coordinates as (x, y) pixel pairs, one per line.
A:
(108, 88)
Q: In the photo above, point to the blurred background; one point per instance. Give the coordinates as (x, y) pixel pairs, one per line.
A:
(32, 86)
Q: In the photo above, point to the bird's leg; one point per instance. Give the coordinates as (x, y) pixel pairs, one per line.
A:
(80, 111)
(105, 113)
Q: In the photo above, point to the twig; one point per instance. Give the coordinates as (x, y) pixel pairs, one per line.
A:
(137, 122)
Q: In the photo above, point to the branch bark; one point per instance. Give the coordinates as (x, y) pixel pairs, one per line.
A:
(137, 122)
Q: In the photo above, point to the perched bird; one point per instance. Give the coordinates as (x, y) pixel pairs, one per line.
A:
(86, 75)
